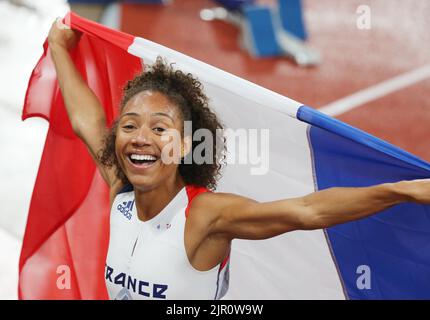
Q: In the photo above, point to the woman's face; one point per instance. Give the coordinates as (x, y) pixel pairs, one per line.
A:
(146, 128)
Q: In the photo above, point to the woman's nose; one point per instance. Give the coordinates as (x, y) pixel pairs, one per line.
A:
(141, 137)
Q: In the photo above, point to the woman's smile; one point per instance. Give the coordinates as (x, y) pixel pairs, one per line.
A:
(142, 162)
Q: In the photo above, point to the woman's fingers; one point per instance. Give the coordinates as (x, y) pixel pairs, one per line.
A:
(61, 25)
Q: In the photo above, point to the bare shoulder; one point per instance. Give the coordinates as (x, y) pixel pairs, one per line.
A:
(204, 209)
(208, 208)
(210, 202)
(218, 201)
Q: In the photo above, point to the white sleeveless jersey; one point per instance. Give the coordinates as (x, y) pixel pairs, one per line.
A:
(147, 260)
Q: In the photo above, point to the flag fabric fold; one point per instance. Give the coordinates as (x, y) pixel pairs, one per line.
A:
(385, 256)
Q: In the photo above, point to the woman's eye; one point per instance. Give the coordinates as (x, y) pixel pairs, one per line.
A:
(159, 129)
(128, 127)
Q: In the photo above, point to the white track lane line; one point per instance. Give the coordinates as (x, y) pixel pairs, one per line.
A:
(377, 91)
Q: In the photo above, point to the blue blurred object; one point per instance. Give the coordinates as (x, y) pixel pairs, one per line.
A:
(291, 15)
(261, 35)
(234, 5)
(268, 31)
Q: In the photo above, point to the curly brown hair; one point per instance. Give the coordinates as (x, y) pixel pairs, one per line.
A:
(186, 92)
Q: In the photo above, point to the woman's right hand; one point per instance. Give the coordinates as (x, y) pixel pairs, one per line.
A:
(61, 35)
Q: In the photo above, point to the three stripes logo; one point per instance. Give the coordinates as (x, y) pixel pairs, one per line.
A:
(125, 208)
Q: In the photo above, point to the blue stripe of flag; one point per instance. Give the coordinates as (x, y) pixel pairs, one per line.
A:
(395, 243)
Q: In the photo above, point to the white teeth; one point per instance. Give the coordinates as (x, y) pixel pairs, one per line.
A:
(142, 157)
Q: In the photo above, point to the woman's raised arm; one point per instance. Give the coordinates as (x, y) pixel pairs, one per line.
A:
(85, 112)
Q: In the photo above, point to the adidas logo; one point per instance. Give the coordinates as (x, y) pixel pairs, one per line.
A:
(125, 208)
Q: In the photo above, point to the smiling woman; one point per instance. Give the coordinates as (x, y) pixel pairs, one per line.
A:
(159, 246)
(170, 235)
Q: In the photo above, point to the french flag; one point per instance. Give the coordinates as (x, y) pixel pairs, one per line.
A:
(385, 256)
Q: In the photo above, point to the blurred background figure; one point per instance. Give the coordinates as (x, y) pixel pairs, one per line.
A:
(267, 30)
